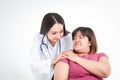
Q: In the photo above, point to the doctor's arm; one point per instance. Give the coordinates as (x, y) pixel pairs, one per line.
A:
(39, 66)
(37, 63)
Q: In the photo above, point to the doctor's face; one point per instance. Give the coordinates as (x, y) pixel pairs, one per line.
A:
(55, 33)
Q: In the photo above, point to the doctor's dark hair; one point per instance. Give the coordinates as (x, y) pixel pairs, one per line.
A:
(88, 32)
(49, 20)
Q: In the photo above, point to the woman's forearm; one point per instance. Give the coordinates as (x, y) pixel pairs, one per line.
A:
(99, 68)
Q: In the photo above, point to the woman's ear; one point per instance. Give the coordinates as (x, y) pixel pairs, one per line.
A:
(89, 43)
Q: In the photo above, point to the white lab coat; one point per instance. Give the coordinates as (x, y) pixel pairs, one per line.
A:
(40, 61)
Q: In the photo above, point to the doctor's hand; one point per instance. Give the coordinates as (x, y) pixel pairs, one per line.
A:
(57, 58)
(71, 55)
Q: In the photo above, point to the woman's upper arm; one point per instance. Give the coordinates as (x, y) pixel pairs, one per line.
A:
(61, 71)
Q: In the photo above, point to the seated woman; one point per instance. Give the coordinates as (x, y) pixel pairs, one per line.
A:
(83, 62)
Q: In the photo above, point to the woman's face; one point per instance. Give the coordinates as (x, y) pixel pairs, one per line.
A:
(55, 33)
(81, 43)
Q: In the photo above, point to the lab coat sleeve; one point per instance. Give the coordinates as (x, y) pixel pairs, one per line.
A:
(68, 42)
(40, 67)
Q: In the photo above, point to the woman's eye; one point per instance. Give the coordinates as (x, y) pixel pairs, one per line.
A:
(78, 37)
(81, 36)
(74, 38)
(54, 33)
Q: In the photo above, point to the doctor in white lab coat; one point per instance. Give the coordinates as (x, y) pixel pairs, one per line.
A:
(48, 45)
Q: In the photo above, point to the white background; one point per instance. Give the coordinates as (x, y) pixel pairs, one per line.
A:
(20, 21)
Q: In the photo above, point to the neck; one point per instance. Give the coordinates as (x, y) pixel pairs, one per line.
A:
(52, 43)
(82, 53)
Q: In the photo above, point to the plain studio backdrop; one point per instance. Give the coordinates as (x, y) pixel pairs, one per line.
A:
(20, 21)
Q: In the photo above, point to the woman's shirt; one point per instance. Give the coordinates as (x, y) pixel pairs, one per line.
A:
(77, 72)
(41, 55)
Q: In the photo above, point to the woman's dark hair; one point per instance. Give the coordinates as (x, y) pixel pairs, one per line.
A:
(86, 31)
(49, 20)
